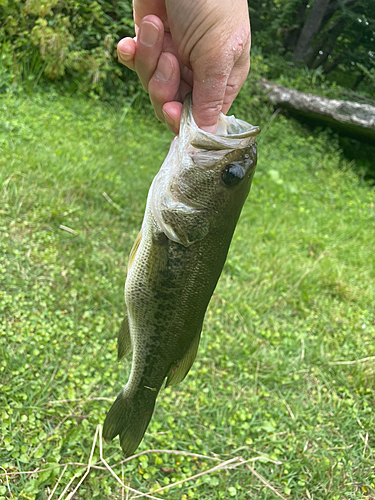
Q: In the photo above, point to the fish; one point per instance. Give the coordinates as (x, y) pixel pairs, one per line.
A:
(192, 209)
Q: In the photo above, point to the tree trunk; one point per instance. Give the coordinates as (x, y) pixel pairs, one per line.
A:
(326, 44)
(351, 118)
(333, 65)
(310, 30)
(358, 81)
(291, 39)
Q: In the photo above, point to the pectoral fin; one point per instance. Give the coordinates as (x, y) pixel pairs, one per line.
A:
(179, 371)
(124, 343)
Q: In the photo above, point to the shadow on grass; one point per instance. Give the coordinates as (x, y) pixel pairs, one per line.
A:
(363, 155)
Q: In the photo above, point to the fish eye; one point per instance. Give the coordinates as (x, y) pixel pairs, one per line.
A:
(232, 174)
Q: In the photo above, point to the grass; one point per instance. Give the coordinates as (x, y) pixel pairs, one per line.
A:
(284, 376)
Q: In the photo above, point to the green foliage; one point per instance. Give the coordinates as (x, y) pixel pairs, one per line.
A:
(345, 38)
(294, 301)
(73, 42)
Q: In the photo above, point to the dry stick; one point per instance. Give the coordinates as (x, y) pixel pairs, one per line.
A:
(256, 378)
(67, 486)
(170, 452)
(303, 349)
(308, 271)
(72, 415)
(266, 483)
(117, 207)
(222, 465)
(113, 473)
(6, 478)
(68, 229)
(37, 470)
(122, 479)
(71, 495)
(287, 406)
(82, 401)
(58, 481)
(354, 362)
(365, 440)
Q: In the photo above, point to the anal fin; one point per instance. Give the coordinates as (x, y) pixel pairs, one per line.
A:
(179, 371)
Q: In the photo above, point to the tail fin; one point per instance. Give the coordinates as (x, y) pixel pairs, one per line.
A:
(129, 417)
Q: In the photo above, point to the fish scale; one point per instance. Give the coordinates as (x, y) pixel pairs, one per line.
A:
(192, 210)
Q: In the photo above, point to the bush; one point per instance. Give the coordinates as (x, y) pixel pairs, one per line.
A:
(66, 41)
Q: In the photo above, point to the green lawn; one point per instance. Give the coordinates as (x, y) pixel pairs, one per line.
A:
(284, 377)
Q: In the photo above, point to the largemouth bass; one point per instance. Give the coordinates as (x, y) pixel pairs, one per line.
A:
(192, 210)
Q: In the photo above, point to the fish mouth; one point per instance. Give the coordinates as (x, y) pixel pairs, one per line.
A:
(231, 133)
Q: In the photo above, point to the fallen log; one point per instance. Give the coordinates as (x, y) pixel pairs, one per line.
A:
(353, 119)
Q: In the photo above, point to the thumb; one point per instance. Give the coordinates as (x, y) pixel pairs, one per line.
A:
(209, 85)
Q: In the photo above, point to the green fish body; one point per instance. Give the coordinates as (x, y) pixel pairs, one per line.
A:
(192, 210)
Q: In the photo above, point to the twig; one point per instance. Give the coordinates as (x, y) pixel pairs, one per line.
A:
(122, 479)
(308, 271)
(58, 481)
(68, 229)
(365, 440)
(256, 378)
(354, 362)
(269, 123)
(6, 478)
(266, 483)
(67, 486)
(287, 406)
(340, 447)
(28, 256)
(303, 349)
(228, 464)
(82, 401)
(222, 465)
(72, 415)
(112, 471)
(117, 207)
(170, 452)
(37, 470)
(71, 495)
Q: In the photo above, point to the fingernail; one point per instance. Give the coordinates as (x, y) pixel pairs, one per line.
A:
(164, 69)
(124, 56)
(168, 119)
(149, 34)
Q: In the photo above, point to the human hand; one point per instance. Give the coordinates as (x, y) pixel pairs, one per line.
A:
(181, 46)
